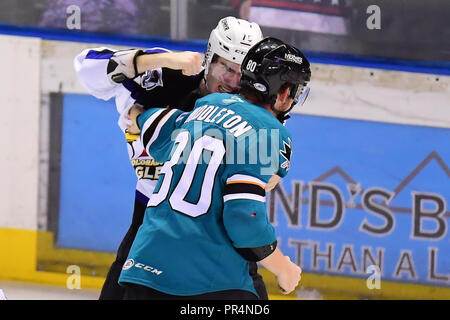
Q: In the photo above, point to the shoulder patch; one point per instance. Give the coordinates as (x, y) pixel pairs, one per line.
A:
(152, 79)
(286, 154)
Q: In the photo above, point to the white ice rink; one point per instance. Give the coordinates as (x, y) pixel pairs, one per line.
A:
(30, 291)
(14, 290)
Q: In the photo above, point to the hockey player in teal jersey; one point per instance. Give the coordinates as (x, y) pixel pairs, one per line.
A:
(206, 218)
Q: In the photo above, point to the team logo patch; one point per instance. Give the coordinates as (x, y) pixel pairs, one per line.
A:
(286, 154)
(260, 87)
(151, 79)
(128, 264)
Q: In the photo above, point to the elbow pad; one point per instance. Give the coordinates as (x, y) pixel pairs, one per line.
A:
(258, 253)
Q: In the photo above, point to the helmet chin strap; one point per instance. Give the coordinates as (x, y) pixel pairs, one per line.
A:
(278, 114)
(282, 116)
(205, 74)
(205, 87)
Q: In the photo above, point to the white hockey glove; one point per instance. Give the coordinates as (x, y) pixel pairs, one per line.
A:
(122, 65)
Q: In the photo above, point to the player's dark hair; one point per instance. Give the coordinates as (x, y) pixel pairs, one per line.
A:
(248, 91)
(215, 58)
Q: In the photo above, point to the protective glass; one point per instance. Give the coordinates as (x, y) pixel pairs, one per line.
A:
(300, 95)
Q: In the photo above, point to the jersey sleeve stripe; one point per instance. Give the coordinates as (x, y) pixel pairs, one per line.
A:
(156, 50)
(150, 124)
(96, 54)
(232, 188)
(152, 133)
(246, 182)
(243, 196)
(246, 178)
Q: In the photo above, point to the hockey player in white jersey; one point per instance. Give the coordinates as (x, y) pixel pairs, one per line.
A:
(156, 77)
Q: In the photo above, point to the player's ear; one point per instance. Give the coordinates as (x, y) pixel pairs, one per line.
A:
(284, 94)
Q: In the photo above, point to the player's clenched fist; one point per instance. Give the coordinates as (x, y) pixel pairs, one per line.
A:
(288, 273)
(289, 278)
(188, 62)
(128, 64)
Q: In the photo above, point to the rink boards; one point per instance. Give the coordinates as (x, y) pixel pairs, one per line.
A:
(369, 183)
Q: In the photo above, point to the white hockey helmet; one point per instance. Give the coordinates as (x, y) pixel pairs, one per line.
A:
(231, 40)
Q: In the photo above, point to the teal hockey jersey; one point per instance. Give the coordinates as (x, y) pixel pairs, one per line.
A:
(210, 196)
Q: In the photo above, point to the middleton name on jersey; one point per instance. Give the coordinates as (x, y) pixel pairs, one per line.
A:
(226, 117)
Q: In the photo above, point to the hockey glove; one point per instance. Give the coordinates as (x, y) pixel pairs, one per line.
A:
(122, 65)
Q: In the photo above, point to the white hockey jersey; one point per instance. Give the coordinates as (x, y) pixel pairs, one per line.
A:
(159, 87)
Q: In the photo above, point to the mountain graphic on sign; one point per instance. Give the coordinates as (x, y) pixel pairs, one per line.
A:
(414, 173)
(432, 161)
(425, 177)
(332, 172)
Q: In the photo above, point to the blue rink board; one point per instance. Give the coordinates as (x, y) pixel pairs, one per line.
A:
(375, 155)
(98, 183)
(97, 179)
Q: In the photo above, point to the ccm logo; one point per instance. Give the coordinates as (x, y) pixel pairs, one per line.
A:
(148, 268)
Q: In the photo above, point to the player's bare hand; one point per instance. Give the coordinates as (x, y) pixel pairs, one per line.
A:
(290, 277)
(133, 113)
(190, 63)
(272, 183)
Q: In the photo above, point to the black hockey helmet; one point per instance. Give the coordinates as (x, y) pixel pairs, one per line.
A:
(270, 64)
